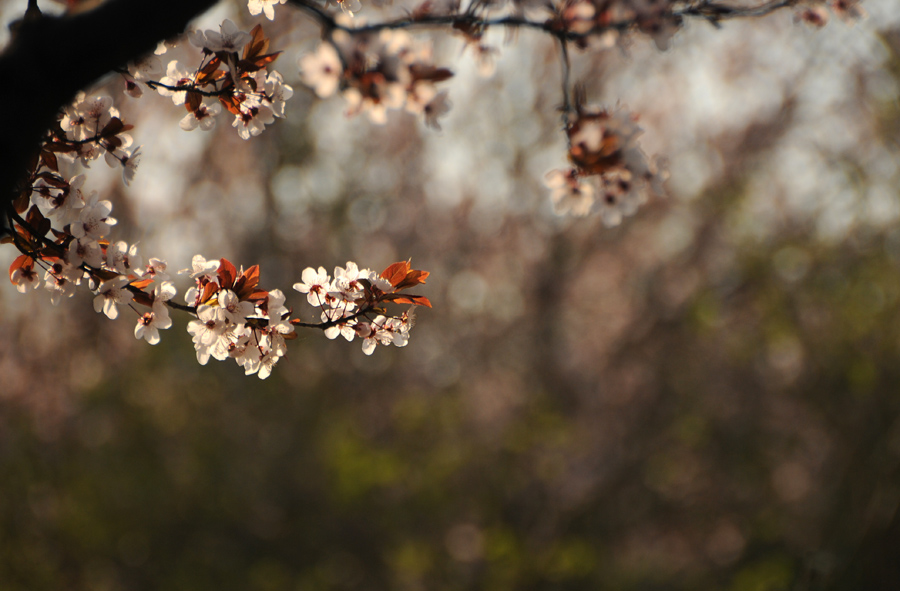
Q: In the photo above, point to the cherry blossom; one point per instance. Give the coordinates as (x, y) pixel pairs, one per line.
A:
(245, 351)
(228, 38)
(436, 107)
(85, 117)
(316, 284)
(265, 6)
(150, 323)
(570, 194)
(157, 270)
(390, 70)
(345, 329)
(374, 333)
(25, 277)
(176, 76)
(203, 117)
(277, 93)
(209, 333)
(62, 279)
(123, 259)
(94, 221)
(60, 202)
(253, 117)
(201, 268)
(84, 251)
(321, 70)
(112, 293)
(236, 311)
(145, 68)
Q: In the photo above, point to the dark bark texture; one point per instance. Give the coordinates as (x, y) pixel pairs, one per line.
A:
(50, 59)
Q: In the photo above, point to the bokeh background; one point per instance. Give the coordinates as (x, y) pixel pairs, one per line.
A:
(707, 397)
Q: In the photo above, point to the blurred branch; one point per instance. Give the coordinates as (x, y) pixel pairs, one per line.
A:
(712, 11)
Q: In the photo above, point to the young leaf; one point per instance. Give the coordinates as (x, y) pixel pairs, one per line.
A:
(227, 274)
(21, 261)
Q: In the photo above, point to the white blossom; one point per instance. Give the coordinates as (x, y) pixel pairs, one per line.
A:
(204, 117)
(228, 38)
(94, 221)
(321, 70)
(112, 293)
(316, 284)
(264, 6)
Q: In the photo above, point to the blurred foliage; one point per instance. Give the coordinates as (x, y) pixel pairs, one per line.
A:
(748, 441)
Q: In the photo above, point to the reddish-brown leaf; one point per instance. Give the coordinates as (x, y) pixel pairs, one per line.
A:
(143, 298)
(141, 283)
(402, 298)
(21, 202)
(229, 103)
(21, 261)
(60, 147)
(247, 282)
(259, 44)
(396, 272)
(193, 101)
(103, 274)
(208, 70)
(227, 274)
(52, 178)
(37, 220)
(115, 126)
(413, 278)
(49, 160)
(268, 58)
(208, 292)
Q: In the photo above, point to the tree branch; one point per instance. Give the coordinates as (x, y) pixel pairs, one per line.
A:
(51, 58)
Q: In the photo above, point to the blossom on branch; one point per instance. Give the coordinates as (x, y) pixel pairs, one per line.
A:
(227, 39)
(61, 279)
(378, 72)
(112, 293)
(177, 77)
(610, 175)
(321, 70)
(377, 68)
(264, 6)
(204, 117)
(23, 275)
(150, 323)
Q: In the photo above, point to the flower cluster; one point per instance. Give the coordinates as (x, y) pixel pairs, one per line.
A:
(63, 239)
(91, 127)
(65, 233)
(236, 319)
(610, 173)
(348, 300)
(379, 71)
(658, 19)
(232, 75)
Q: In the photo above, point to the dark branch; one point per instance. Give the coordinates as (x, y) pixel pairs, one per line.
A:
(51, 58)
(714, 11)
